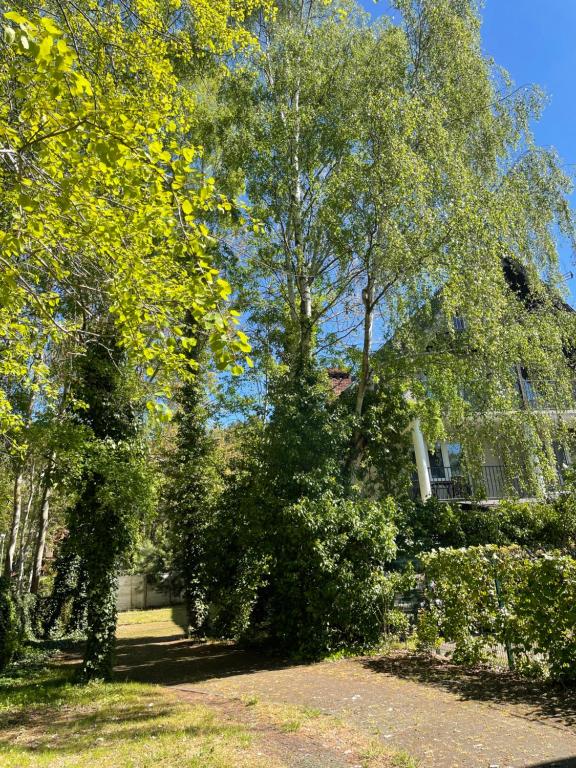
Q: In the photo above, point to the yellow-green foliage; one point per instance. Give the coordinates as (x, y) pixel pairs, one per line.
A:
(103, 205)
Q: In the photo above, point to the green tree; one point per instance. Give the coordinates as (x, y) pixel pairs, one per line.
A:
(105, 212)
(444, 191)
(291, 143)
(102, 195)
(401, 187)
(193, 485)
(9, 634)
(116, 496)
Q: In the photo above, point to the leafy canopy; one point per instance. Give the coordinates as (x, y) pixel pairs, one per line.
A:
(103, 202)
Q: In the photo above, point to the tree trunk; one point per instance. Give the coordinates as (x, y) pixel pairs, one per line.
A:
(358, 441)
(98, 659)
(26, 529)
(306, 329)
(365, 370)
(302, 278)
(15, 526)
(42, 528)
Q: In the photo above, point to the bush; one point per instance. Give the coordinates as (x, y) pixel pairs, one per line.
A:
(9, 627)
(311, 579)
(396, 623)
(427, 632)
(533, 525)
(328, 588)
(486, 596)
(295, 556)
(27, 617)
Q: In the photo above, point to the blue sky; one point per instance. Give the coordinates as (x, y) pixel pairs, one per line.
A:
(536, 43)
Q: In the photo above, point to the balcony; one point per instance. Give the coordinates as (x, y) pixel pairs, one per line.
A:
(448, 484)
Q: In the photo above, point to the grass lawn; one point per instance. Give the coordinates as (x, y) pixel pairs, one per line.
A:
(47, 721)
(174, 613)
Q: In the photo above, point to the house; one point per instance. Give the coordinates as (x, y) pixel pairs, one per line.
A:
(439, 469)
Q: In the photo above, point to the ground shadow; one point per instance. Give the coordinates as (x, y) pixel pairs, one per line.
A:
(174, 660)
(568, 763)
(538, 699)
(66, 731)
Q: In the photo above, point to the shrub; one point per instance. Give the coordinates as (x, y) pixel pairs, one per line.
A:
(534, 525)
(294, 554)
(311, 578)
(484, 596)
(25, 607)
(9, 629)
(427, 633)
(328, 588)
(396, 623)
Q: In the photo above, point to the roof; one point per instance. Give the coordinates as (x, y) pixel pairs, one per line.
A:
(339, 380)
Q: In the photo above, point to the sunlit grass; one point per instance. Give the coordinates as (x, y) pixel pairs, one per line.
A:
(175, 613)
(48, 722)
(404, 760)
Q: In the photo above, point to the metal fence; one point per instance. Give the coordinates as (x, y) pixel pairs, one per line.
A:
(493, 484)
(497, 656)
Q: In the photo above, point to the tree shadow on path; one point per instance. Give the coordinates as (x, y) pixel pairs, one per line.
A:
(569, 763)
(535, 700)
(174, 660)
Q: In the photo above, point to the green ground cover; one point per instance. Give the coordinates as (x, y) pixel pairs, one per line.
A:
(49, 722)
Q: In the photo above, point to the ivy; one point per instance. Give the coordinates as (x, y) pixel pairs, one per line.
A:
(295, 556)
(9, 635)
(192, 489)
(115, 498)
(68, 591)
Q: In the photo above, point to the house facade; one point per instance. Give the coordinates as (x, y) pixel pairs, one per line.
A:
(439, 469)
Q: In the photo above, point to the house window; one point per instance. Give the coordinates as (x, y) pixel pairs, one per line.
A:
(459, 323)
(454, 451)
(436, 460)
(530, 395)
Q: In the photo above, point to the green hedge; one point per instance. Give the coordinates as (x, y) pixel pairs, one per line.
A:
(485, 596)
(533, 525)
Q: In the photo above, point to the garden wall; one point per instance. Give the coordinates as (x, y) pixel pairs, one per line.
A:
(137, 592)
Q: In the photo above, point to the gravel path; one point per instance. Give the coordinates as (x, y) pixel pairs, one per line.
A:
(440, 715)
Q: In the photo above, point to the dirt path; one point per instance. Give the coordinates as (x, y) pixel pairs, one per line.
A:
(438, 714)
